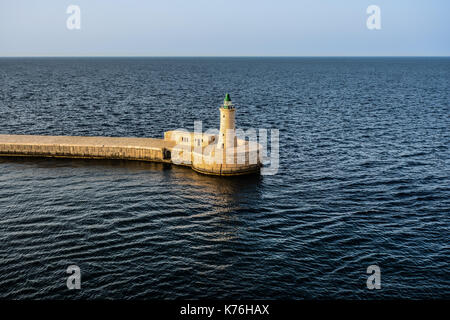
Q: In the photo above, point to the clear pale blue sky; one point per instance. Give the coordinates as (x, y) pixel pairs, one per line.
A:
(224, 28)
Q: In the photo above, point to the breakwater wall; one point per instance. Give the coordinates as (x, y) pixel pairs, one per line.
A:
(144, 149)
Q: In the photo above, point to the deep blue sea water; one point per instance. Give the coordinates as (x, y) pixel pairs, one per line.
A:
(364, 179)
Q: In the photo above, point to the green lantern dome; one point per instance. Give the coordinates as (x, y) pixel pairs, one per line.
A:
(227, 97)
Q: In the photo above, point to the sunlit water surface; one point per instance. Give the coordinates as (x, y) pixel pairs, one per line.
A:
(363, 179)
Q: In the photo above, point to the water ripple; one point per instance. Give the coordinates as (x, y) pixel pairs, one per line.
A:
(364, 179)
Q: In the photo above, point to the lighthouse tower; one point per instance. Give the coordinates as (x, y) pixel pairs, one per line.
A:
(227, 124)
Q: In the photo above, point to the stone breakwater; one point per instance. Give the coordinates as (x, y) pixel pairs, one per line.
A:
(221, 154)
(142, 149)
(145, 149)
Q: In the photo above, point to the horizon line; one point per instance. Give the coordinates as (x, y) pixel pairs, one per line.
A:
(229, 56)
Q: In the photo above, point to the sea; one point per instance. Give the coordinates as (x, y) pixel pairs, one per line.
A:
(363, 179)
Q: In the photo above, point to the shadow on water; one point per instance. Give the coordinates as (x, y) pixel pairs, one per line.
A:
(124, 207)
(230, 189)
(226, 198)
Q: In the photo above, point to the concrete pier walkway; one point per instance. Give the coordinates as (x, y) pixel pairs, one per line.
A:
(214, 154)
(144, 149)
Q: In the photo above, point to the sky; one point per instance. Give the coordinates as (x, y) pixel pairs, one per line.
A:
(224, 28)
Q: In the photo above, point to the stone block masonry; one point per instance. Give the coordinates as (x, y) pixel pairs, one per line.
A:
(144, 149)
(165, 150)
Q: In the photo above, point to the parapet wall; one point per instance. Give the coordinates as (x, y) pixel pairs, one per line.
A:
(129, 153)
(144, 149)
(239, 164)
(226, 169)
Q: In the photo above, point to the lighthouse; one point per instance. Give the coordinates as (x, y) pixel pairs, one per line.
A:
(227, 134)
(220, 153)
